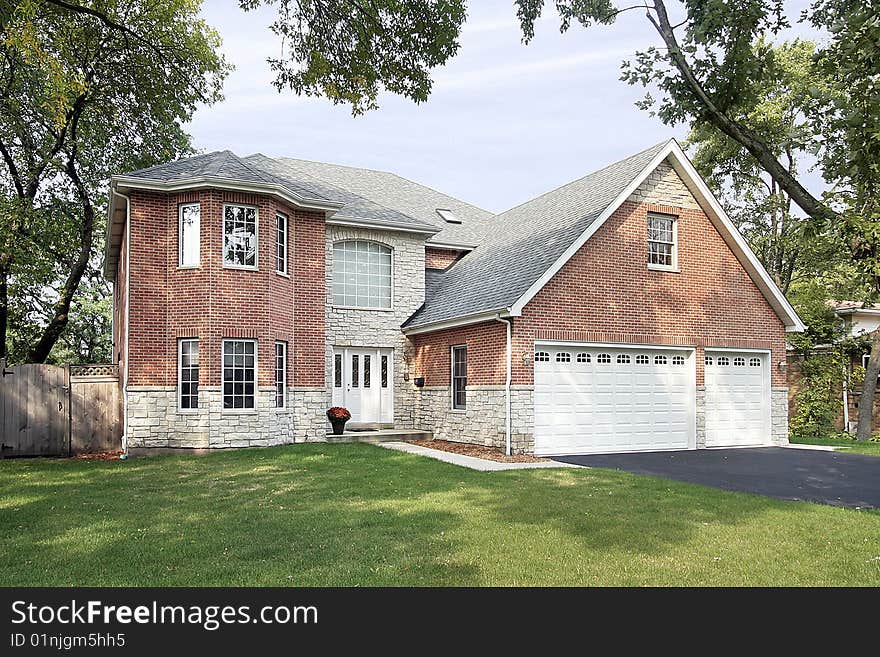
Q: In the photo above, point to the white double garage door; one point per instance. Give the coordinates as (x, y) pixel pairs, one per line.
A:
(629, 398)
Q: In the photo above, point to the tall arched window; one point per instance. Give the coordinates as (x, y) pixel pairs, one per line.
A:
(361, 274)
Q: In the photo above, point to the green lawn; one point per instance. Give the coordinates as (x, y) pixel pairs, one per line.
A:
(861, 447)
(362, 515)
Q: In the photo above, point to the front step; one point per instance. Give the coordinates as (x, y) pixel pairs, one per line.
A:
(380, 436)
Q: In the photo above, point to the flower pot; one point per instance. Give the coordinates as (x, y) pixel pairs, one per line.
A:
(338, 426)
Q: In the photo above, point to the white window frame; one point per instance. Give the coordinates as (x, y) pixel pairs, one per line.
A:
(658, 267)
(452, 377)
(227, 265)
(180, 251)
(180, 408)
(280, 215)
(390, 308)
(283, 345)
(243, 410)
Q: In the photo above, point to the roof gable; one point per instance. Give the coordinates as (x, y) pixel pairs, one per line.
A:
(533, 241)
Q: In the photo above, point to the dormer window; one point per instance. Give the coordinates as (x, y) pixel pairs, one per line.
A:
(448, 216)
(662, 242)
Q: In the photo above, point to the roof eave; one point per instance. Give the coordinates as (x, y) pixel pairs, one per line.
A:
(465, 320)
(354, 222)
(200, 182)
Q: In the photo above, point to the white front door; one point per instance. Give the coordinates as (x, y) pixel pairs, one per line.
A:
(363, 383)
(620, 398)
(737, 398)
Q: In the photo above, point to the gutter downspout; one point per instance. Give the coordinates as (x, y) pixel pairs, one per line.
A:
(507, 384)
(127, 320)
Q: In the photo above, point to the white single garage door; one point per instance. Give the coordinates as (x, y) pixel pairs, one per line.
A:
(737, 398)
(592, 399)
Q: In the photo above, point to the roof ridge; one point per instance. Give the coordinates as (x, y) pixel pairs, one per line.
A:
(388, 173)
(584, 177)
(347, 191)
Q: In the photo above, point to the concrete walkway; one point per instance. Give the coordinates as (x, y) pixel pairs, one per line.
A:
(472, 462)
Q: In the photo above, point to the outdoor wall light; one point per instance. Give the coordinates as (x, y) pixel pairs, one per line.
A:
(782, 366)
(419, 382)
(526, 358)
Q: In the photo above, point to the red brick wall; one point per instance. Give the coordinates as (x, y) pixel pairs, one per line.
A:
(606, 293)
(440, 258)
(213, 303)
(486, 352)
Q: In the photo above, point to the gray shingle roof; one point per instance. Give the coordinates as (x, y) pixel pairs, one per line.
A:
(524, 242)
(356, 207)
(410, 198)
(225, 165)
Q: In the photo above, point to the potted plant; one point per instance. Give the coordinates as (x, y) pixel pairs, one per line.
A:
(338, 416)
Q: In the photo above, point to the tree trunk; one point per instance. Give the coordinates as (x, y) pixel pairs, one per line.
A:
(747, 138)
(869, 387)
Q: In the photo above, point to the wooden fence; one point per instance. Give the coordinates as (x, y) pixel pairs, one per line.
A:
(52, 410)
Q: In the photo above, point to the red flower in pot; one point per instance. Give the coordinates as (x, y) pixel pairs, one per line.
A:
(338, 416)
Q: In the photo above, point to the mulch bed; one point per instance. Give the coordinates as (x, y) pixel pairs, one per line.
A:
(467, 449)
(100, 456)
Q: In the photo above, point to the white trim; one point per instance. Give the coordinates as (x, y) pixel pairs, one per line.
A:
(452, 349)
(127, 229)
(275, 405)
(390, 248)
(459, 321)
(180, 408)
(448, 246)
(226, 265)
(507, 379)
(614, 345)
(243, 411)
(747, 350)
(180, 207)
(716, 214)
(127, 182)
(283, 272)
(337, 220)
(656, 266)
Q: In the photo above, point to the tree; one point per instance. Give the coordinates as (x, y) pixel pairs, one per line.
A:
(703, 71)
(87, 90)
(773, 103)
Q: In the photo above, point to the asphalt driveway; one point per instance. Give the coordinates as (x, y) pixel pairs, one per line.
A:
(836, 478)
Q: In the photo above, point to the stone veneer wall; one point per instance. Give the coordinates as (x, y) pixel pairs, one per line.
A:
(348, 327)
(483, 422)
(779, 415)
(154, 420)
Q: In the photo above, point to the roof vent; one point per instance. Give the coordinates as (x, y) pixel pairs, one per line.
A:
(448, 216)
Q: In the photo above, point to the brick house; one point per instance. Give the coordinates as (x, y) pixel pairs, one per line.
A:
(620, 312)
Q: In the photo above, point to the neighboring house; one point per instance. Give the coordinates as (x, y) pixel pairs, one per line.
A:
(622, 311)
(859, 321)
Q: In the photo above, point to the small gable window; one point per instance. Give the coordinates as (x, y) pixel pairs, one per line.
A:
(662, 241)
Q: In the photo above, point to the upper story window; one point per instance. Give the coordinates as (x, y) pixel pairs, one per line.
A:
(662, 241)
(188, 233)
(240, 236)
(281, 243)
(361, 274)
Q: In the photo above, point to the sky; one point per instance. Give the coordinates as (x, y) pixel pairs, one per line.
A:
(505, 122)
